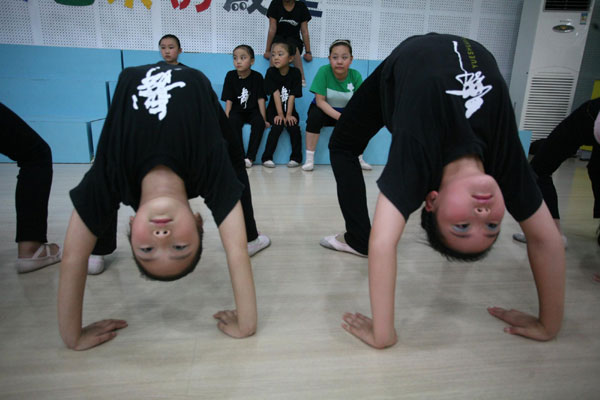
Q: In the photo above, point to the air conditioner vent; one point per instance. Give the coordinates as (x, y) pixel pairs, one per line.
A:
(548, 102)
(567, 5)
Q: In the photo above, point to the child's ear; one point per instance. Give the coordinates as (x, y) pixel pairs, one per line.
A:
(430, 200)
(199, 219)
(251, 61)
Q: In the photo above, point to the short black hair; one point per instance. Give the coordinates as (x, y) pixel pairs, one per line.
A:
(341, 42)
(429, 223)
(246, 47)
(169, 278)
(170, 36)
(291, 48)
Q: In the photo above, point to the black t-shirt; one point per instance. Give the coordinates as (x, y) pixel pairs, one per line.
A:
(288, 85)
(442, 98)
(160, 115)
(243, 93)
(288, 22)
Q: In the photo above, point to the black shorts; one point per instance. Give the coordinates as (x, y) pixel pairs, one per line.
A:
(296, 41)
(317, 119)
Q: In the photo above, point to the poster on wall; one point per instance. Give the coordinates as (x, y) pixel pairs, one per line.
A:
(217, 26)
(75, 2)
(230, 5)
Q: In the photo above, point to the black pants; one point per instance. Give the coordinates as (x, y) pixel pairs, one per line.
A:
(33, 156)
(257, 124)
(295, 139)
(573, 132)
(317, 119)
(107, 242)
(235, 148)
(360, 121)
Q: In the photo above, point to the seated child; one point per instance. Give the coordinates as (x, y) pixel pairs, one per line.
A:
(282, 83)
(333, 86)
(455, 145)
(161, 145)
(244, 94)
(287, 19)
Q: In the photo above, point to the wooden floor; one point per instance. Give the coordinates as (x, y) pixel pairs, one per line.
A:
(449, 347)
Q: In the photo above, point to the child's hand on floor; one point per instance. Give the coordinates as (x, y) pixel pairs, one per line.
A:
(99, 332)
(521, 324)
(228, 324)
(361, 326)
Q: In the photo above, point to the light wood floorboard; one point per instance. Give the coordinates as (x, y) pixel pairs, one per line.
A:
(448, 348)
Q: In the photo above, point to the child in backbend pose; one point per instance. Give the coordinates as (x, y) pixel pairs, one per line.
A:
(164, 142)
(244, 94)
(283, 84)
(170, 49)
(333, 86)
(578, 129)
(455, 145)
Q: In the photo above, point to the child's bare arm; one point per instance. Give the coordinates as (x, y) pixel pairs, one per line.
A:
(306, 40)
(326, 107)
(263, 111)
(289, 118)
(228, 105)
(79, 243)
(379, 332)
(547, 259)
(270, 36)
(241, 322)
(280, 117)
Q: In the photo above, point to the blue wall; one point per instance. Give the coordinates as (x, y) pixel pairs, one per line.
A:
(64, 93)
(60, 92)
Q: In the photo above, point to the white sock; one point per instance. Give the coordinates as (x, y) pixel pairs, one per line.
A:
(310, 156)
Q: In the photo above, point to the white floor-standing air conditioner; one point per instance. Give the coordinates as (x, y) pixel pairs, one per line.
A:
(550, 45)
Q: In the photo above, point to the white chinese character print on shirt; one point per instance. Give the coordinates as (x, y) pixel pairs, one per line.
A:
(472, 87)
(285, 94)
(156, 90)
(244, 97)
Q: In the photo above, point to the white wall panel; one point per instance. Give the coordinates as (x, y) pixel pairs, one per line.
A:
(15, 23)
(374, 27)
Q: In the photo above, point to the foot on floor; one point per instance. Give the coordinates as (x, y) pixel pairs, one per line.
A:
(332, 242)
(95, 265)
(46, 254)
(258, 244)
(363, 164)
(308, 166)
